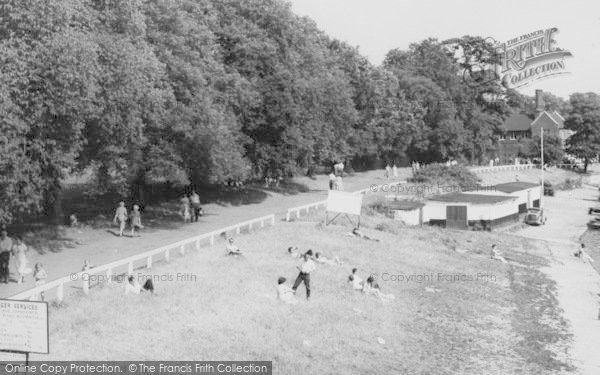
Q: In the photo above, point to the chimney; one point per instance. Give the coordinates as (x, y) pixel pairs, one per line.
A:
(539, 101)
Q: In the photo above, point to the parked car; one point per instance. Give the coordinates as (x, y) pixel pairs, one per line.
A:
(535, 216)
(594, 211)
(548, 189)
(595, 223)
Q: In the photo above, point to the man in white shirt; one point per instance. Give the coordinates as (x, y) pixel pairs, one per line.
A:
(305, 269)
(232, 249)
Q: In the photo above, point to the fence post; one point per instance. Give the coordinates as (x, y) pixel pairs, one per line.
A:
(149, 262)
(182, 249)
(298, 214)
(108, 276)
(85, 283)
(60, 292)
(287, 216)
(197, 244)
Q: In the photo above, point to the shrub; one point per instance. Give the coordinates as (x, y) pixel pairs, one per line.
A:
(446, 175)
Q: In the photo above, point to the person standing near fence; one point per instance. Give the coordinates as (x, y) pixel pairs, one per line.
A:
(40, 276)
(19, 252)
(6, 245)
(305, 269)
(121, 217)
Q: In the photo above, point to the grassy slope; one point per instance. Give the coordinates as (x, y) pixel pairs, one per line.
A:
(501, 327)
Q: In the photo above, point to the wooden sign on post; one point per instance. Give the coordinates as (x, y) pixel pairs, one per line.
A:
(340, 202)
(24, 326)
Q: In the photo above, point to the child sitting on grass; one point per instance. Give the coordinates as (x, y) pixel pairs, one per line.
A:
(357, 282)
(372, 288)
(285, 293)
(232, 249)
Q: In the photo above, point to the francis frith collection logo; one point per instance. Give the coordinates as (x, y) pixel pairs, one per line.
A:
(531, 57)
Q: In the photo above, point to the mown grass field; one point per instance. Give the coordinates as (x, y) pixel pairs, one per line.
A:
(508, 323)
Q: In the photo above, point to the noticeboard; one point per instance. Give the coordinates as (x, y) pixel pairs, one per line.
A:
(344, 202)
(24, 326)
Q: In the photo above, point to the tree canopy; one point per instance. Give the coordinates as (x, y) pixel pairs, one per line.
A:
(183, 92)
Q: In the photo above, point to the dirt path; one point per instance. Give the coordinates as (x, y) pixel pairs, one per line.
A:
(578, 284)
(102, 246)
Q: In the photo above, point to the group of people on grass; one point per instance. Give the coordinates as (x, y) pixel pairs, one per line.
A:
(368, 287)
(308, 265)
(18, 250)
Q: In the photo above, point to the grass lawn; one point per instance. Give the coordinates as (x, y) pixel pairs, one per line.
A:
(503, 323)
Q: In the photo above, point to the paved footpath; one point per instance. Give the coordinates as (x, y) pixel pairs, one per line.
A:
(101, 246)
(578, 284)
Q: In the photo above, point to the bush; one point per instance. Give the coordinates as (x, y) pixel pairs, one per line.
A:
(444, 175)
(570, 183)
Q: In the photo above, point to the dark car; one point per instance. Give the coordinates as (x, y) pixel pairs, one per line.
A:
(548, 189)
(535, 216)
(595, 223)
(594, 211)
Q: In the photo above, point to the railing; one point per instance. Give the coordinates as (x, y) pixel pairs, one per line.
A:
(148, 256)
(306, 207)
(500, 168)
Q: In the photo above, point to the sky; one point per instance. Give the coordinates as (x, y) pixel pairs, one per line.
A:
(377, 26)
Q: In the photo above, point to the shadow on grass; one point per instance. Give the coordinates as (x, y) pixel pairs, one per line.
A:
(44, 238)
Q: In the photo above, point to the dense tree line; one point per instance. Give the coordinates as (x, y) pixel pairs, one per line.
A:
(203, 91)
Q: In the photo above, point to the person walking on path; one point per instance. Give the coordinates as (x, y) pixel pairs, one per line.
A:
(121, 217)
(305, 269)
(196, 208)
(339, 183)
(331, 181)
(19, 252)
(6, 245)
(136, 219)
(395, 171)
(185, 211)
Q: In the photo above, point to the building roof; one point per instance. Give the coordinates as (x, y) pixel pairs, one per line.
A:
(405, 205)
(517, 122)
(511, 187)
(471, 198)
(550, 120)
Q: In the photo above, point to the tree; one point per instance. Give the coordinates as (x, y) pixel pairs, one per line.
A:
(584, 119)
(553, 149)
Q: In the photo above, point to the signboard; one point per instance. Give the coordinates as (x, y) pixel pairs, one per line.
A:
(344, 202)
(24, 326)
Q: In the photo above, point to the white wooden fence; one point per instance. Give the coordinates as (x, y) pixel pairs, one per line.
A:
(502, 168)
(106, 272)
